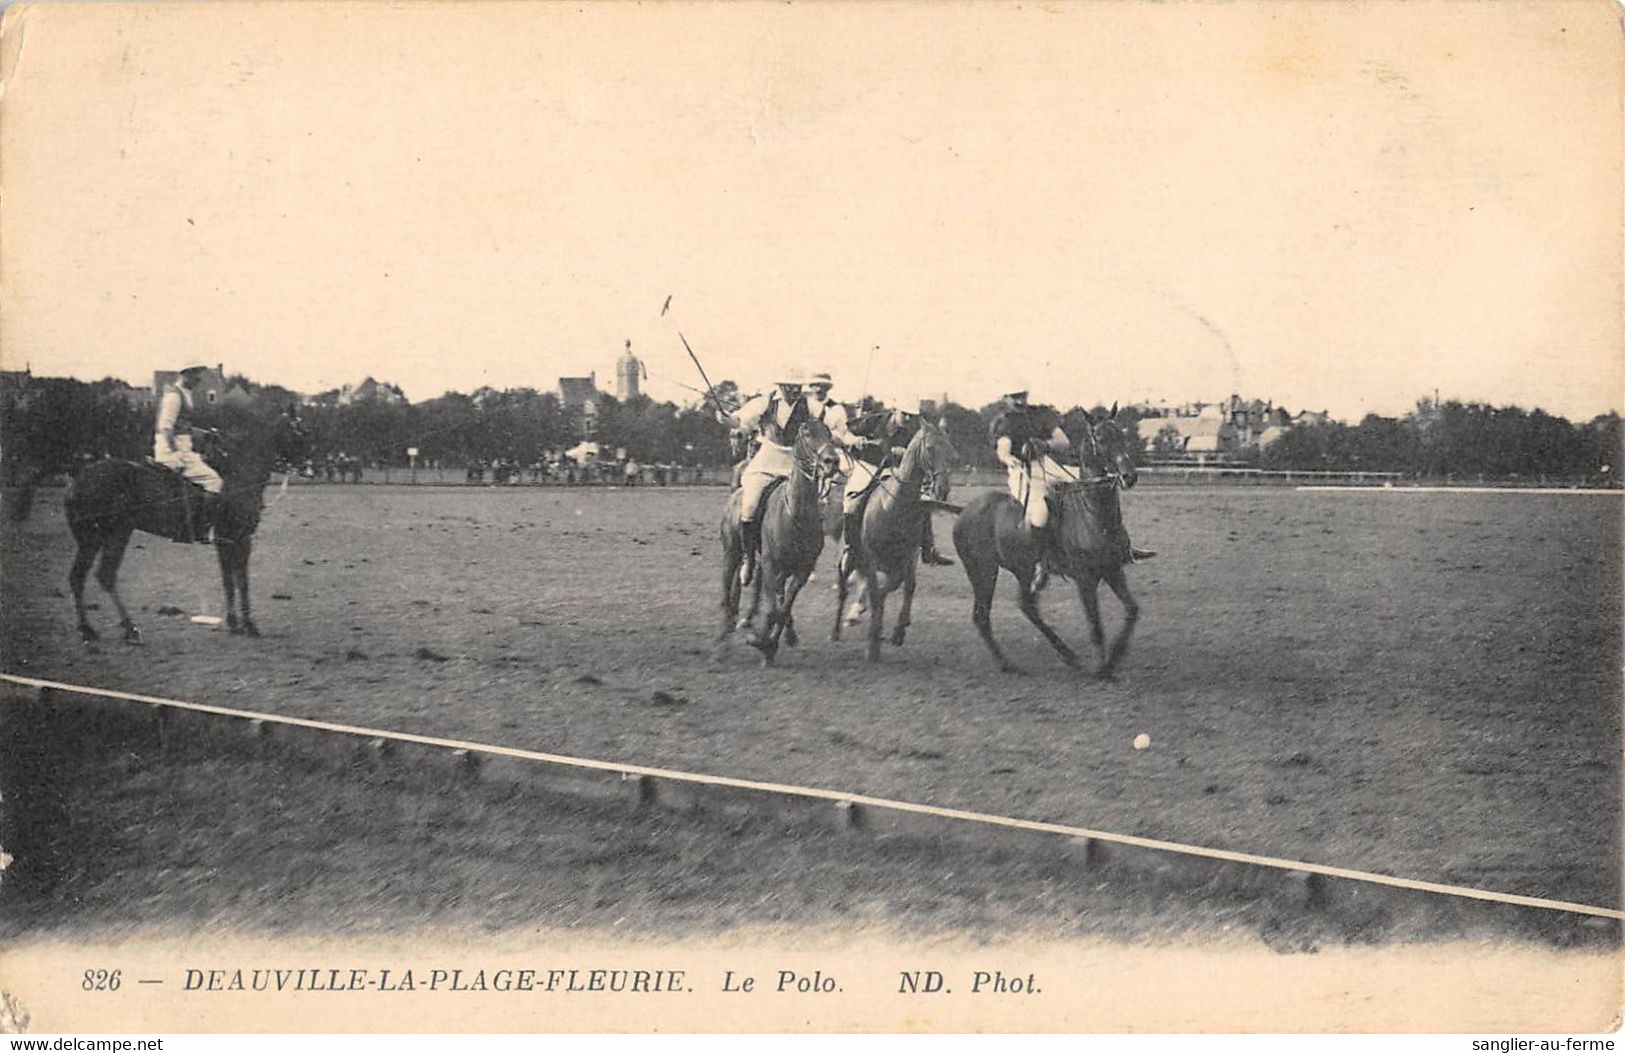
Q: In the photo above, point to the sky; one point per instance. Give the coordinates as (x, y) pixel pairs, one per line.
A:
(1334, 206)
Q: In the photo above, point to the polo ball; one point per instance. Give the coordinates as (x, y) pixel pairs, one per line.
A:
(1141, 741)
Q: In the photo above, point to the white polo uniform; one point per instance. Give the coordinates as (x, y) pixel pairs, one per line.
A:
(172, 444)
(775, 458)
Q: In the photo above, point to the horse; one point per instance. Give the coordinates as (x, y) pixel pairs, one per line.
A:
(992, 532)
(792, 538)
(886, 553)
(112, 499)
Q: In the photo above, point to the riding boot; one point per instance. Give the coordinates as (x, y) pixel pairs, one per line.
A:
(852, 524)
(189, 516)
(750, 539)
(928, 549)
(1041, 540)
(209, 525)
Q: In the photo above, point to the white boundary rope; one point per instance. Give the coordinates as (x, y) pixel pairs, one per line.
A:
(1272, 862)
(1366, 489)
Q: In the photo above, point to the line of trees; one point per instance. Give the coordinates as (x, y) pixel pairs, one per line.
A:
(60, 422)
(1451, 439)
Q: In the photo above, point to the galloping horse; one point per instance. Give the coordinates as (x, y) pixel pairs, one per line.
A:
(792, 537)
(886, 553)
(110, 500)
(992, 532)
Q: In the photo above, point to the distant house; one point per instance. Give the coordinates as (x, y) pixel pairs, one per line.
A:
(136, 398)
(577, 393)
(208, 391)
(16, 387)
(1204, 436)
(370, 390)
(1221, 431)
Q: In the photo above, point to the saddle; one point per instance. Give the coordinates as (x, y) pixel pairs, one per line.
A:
(189, 495)
(761, 502)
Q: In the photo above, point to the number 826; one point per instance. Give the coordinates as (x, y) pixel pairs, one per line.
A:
(101, 980)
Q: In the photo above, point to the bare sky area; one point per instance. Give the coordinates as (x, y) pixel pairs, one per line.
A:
(1339, 206)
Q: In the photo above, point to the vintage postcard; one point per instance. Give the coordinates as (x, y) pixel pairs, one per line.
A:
(800, 517)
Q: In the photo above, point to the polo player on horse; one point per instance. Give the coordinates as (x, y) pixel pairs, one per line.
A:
(827, 411)
(776, 417)
(172, 448)
(884, 436)
(1024, 437)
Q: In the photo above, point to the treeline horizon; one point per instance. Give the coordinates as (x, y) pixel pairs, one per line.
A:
(58, 423)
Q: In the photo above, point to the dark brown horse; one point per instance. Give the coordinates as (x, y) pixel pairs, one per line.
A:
(886, 553)
(1091, 542)
(792, 537)
(110, 500)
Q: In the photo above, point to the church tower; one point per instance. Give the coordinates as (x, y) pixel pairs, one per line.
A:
(628, 371)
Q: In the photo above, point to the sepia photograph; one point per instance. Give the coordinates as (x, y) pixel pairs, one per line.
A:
(1062, 517)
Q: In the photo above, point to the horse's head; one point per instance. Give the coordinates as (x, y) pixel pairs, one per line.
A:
(816, 451)
(1107, 450)
(932, 454)
(253, 441)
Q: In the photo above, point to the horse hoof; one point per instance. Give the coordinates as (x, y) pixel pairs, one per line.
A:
(88, 635)
(790, 637)
(132, 636)
(1106, 674)
(897, 639)
(1011, 669)
(250, 629)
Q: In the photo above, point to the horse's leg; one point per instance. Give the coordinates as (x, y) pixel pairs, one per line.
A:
(1088, 586)
(1029, 607)
(88, 549)
(901, 628)
(767, 639)
(877, 615)
(787, 620)
(860, 601)
(228, 582)
(730, 581)
(107, 576)
(788, 624)
(749, 620)
(983, 571)
(842, 576)
(242, 549)
(1118, 582)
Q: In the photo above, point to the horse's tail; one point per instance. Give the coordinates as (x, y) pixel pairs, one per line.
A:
(23, 503)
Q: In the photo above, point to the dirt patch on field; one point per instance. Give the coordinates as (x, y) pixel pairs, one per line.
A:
(1425, 686)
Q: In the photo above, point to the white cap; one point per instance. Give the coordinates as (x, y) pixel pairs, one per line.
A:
(909, 404)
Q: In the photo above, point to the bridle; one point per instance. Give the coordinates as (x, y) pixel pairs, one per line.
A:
(807, 451)
(1108, 472)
